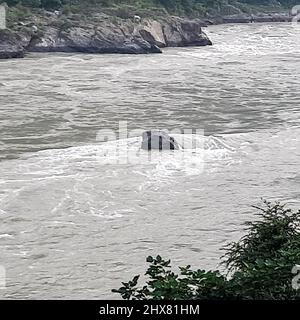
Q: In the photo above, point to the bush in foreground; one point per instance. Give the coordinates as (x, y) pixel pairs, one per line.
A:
(260, 266)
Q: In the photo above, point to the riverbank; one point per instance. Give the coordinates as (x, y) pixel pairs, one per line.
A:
(104, 31)
(99, 33)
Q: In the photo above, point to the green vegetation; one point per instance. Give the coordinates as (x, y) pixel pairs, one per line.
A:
(259, 266)
(183, 7)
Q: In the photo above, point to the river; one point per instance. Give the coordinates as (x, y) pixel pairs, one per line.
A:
(73, 225)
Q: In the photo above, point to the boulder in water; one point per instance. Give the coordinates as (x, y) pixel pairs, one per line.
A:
(158, 140)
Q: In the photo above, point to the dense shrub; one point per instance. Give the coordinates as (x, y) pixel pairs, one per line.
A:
(51, 4)
(259, 266)
(184, 6)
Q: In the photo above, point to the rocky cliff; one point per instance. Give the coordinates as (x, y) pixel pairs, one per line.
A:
(100, 33)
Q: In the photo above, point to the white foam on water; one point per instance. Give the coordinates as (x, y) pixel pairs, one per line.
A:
(6, 235)
(63, 162)
(93, 179)
(90, 178)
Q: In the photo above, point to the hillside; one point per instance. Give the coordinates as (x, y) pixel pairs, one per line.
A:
(191, 8)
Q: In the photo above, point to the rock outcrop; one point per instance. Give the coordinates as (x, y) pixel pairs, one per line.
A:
(101, 34)
(146, 36)
(91, 40)
(174, 32)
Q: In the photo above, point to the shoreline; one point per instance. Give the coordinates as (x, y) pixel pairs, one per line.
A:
(102, 33)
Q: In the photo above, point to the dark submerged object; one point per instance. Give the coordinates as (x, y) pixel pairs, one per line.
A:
(158, 140)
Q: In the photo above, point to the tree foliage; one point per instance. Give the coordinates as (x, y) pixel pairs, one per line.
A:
(259, 266)
(171, 5)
